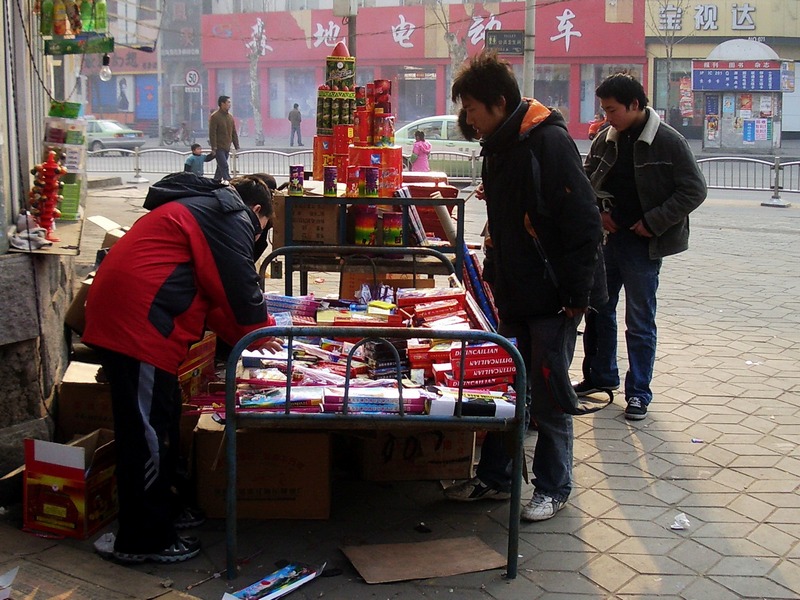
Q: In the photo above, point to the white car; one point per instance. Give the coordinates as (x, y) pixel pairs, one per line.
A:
(444, 135)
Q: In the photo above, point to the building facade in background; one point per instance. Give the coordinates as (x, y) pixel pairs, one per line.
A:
(691, 30)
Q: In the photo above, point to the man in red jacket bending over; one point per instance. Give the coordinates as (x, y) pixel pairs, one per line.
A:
(185, 265)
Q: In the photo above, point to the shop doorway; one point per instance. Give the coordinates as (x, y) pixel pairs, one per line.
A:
(416, 97)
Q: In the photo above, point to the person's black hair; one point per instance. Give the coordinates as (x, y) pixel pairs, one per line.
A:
(195, 147)
(222, 100)
(487, 79)
(624, 89)
(296, 105)
(253, 190)
(420, 135)
(467, 130)
(268, 180)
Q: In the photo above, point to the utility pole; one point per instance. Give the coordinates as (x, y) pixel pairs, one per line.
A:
(351, 32)
(529, 63)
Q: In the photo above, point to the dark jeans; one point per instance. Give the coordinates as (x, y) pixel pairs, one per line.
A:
(223, 170)
(628, 265)
(296, 131)
(146, 406)
(552, 459)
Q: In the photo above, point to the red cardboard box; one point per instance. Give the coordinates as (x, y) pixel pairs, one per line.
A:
(198, 369)
(70, 489)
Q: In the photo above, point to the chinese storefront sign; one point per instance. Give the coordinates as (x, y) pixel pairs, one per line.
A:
(749, 75)
(706, 16)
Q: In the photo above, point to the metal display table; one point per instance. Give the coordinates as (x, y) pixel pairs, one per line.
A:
(346, 420)
(388, 259)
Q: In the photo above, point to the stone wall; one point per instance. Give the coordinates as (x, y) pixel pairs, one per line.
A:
(35, 291)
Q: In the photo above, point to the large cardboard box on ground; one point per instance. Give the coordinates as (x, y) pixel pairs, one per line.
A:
(418, 455)
(281, 475)
(70, 489)
(311, 223)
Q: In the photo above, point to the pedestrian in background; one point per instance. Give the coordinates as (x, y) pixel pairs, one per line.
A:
(648, 181)
(221, 135)
(184, 266)
(295, 118)
(196, 161)
(545, 231)
(420, 152)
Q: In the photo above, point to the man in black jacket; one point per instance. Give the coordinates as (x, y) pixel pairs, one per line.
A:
(545, 230)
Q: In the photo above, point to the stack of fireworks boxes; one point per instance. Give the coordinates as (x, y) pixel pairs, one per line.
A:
(355, 131)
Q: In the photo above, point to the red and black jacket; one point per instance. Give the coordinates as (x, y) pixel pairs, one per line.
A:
(185, 265)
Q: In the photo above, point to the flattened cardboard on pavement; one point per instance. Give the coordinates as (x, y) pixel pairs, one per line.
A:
(382, 563)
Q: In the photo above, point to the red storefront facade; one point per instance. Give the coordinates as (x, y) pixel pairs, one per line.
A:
(577, 44)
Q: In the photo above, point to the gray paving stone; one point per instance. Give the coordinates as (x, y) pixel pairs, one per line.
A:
(755, 587)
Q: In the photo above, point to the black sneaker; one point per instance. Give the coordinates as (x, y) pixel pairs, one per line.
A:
(190, 517)
(587, 388)
(474, 489)
(184, 548)
(636, 409)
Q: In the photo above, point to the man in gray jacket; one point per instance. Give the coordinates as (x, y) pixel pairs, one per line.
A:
(221, 134)
(647, 182)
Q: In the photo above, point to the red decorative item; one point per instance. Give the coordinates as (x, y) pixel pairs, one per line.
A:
(45, 193)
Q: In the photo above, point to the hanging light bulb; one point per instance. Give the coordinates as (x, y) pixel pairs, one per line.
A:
(105, 72)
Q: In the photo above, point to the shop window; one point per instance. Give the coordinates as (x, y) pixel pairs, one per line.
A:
(290, 86)
(591, 77)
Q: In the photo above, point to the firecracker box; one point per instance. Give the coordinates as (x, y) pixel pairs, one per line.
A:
(311, 223)
(70, 489)
(417, 455)
(197, 369)
(281, 475)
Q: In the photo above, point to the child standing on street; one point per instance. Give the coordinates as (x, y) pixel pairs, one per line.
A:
(195, 161)
(420, 152)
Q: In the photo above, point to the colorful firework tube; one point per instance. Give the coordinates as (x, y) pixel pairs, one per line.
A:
(329, 181)
(371, 181)
(296, 173)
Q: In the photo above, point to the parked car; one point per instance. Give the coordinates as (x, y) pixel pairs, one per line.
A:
(443, 134)
(102, 134)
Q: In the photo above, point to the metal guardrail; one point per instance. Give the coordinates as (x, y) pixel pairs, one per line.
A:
(721, 172)
(461, 167)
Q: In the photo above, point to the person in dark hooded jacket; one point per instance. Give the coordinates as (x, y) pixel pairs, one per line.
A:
(545, 232)
(184, 266)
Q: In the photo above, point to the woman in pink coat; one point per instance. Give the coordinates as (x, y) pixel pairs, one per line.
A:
(420, 152)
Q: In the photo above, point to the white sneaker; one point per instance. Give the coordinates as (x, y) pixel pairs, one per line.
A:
(541, 508)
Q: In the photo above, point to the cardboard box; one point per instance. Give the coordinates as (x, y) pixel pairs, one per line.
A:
(75, 318)
(281, 475)
(197, 369)
(84, 403)
(311, 223)
(113, 230)
(350, 282)
(70, 489)
(426, 454)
